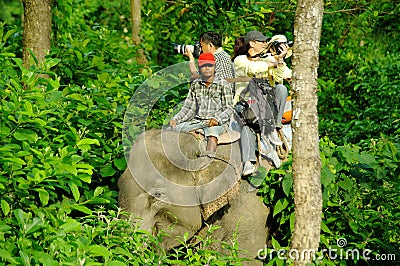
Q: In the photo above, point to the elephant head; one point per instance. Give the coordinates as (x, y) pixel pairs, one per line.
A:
(171, 187)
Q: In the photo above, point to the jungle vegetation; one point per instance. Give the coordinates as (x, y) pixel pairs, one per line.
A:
(61, 150)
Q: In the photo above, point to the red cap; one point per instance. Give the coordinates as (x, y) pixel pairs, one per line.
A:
(206, 58)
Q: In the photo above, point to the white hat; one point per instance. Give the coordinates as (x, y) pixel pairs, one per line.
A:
(279, 38)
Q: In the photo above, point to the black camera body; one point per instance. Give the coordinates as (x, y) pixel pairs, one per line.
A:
(181, 48)
(276, 45)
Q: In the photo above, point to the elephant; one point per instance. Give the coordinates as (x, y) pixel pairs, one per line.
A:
(174, 188)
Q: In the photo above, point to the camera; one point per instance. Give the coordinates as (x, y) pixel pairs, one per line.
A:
(276, 45)
(181, 48)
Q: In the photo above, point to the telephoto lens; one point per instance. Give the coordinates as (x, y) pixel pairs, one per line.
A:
(178, 48)
(181, 49)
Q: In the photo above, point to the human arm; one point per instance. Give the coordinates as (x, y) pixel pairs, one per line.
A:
(281, 71)
(188, 109)
(192, 65)
(250, 68)
(278, 73)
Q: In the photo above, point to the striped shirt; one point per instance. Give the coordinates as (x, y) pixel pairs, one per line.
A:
(223, 64)
(204, 103)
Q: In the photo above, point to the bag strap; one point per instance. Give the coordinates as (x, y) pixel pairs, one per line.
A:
(240, 79)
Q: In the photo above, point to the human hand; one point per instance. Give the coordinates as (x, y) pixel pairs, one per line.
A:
(172, 123)
(284, 49)
(272, 64)
(213, 122)
(189, 54)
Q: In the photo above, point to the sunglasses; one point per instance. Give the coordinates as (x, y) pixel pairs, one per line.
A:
(207, 65)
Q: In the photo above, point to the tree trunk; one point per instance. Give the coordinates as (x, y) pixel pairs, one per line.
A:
(37, 30)
(306, 159)
(136, 19)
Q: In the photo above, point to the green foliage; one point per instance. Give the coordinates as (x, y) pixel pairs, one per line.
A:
(13, 13)
(360, 201)
(95, 56)
(61, 148)
(61, 155)
(182, 22)
(51, 131)
(61, 152)
(359, 72)
(200, 251)
(364, 101)
(48, 236)
(276, 192)
(360, 198)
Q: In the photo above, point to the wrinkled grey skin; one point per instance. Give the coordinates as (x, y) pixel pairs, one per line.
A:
(145, 191)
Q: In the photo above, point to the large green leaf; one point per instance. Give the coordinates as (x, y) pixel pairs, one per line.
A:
(43, 196)
(82, 208)
(75, 190)
(5, 207)
(70, 225)
(99, 250)
(6, 255)
(26, 134)
(34, 225)
(280, 205)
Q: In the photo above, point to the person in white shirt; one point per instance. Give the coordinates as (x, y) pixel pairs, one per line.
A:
(249, 62)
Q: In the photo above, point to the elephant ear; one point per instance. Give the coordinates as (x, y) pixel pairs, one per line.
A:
(174, 162)
(208, 209)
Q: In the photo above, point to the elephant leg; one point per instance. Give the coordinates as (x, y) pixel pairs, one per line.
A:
(246, 217)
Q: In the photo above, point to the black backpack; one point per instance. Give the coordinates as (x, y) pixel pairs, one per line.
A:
(260, 111)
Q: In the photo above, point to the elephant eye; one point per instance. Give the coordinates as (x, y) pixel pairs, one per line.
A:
(157, 194)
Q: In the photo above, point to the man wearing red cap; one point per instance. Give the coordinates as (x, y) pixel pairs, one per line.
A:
(208, 106)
